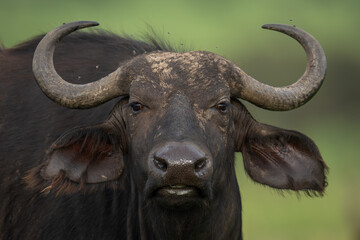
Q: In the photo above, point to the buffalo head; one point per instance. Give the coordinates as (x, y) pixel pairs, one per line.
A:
(177, 124)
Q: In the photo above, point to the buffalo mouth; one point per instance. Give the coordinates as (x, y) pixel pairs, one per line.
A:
(177, 191)
(179, 197)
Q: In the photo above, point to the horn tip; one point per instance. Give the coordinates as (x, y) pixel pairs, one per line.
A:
(79, 24)
(271, 26)
(278, 27)
(84, 24)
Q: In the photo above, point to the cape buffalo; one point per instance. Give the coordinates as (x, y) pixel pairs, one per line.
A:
(151, 153)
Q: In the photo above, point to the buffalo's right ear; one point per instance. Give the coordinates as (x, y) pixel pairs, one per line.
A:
(283, 159)
(79, 160)
(277, 157)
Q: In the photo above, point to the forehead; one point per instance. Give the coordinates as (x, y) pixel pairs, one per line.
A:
(191, 72)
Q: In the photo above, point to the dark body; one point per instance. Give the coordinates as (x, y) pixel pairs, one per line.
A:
(30, 123)
(44, 195)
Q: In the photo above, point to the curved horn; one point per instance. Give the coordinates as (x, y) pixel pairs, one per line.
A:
(288, 97)
(65, 93)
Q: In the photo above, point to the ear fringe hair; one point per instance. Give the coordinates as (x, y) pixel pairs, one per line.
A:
(61, 185)
(97, 134)
(311, 193)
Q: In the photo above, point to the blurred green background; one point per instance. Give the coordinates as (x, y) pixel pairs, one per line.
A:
(232, 29)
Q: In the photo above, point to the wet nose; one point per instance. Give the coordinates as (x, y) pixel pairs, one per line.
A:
(181, 160)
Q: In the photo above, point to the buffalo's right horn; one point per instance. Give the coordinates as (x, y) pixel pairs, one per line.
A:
(288, 97)
(68, 94)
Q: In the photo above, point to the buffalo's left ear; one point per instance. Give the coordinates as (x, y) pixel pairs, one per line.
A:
(82, 159)
(90, 155)
(283, 159)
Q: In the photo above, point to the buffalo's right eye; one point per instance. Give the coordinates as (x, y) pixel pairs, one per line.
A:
(136, 107)
(222, 107)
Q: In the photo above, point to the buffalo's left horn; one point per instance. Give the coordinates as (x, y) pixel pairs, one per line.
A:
(68, 94)
(288, 97)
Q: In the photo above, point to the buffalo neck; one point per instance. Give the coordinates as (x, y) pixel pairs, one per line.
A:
(147, 220)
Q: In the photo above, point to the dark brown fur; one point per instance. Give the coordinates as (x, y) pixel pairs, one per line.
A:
(95, 181)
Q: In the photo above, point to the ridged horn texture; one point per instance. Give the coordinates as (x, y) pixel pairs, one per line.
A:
(289, 97)
(67, 94)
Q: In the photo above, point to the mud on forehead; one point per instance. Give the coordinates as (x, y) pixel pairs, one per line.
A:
(191, 62)
(183, 71)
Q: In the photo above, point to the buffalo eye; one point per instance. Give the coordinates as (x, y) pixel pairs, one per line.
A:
(222, 107)
(136, 107)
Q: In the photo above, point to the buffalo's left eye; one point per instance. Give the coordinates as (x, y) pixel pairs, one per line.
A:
(222, 107)
(136, 107)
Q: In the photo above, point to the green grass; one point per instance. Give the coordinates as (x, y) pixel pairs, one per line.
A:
(223, 27)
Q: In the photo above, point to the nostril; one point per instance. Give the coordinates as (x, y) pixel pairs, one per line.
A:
(160, 163)
(200, 164)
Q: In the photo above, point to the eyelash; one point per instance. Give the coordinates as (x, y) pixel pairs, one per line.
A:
(222, 107)
(136, 107)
